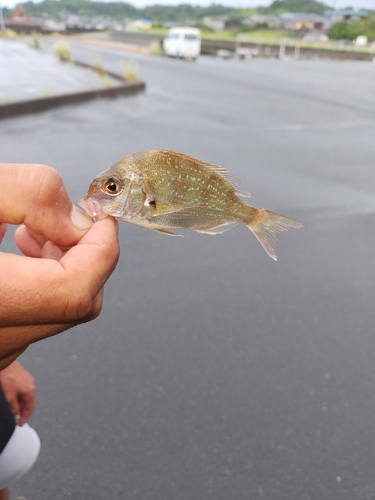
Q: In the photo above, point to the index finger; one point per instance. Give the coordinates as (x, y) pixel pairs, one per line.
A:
(40, 201)
(27, 407)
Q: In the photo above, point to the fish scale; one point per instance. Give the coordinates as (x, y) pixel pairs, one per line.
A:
(163, 190)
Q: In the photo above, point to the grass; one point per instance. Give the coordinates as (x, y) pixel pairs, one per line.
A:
(155, 48)
(10, 34)
(34, 43)
(130, 70)
(63, 51)
(105, 80)
(269, 34)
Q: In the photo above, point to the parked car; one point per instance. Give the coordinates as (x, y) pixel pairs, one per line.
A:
(183, 42)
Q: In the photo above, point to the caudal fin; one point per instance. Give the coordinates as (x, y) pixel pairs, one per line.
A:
(267, 225)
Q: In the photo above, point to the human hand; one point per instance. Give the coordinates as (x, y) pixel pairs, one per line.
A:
(35, 195)
(41, 297)
(19, 389)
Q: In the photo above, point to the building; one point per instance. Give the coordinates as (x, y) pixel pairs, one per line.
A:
(336, 16)
(304, 22)
(273, 22)
(19, 15)
(139, 25)
(315, 36)
(222, 23)
(21, 23)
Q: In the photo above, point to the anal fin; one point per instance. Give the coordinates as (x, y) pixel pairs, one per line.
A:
(221, 228)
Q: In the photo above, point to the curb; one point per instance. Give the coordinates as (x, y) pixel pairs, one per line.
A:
(43, 103)
(112, 45)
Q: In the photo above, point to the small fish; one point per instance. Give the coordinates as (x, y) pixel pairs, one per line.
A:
(164, 190)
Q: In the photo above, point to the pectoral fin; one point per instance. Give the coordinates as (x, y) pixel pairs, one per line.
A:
(165, 209)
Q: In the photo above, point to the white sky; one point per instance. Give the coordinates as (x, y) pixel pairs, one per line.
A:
(370, 4)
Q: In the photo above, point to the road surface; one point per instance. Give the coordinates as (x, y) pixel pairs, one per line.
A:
(213, 371)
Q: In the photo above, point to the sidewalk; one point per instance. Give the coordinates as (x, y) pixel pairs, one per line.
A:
(31, 74)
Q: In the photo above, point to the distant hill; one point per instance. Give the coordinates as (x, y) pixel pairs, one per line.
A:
(158, 13)
(120, 10)
(307, 6)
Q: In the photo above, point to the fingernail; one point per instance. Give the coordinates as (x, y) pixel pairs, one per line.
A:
(80, 219)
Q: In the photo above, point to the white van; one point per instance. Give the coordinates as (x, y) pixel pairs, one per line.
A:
(183, 42)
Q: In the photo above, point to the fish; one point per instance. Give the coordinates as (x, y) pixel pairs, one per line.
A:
(164, 190)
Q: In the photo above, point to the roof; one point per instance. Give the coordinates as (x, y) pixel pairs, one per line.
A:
(303, 17)
(347, 12)
(20, 16)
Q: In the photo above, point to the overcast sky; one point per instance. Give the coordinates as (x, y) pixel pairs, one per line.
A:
(231, 3)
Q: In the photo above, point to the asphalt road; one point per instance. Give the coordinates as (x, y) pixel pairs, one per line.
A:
(213, 371)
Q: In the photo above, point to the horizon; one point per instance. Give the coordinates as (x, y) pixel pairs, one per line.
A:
(365, 4)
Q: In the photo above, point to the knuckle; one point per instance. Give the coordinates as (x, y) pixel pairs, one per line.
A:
(79, 306)
(84, 305)
(97, 309)
(49, 184)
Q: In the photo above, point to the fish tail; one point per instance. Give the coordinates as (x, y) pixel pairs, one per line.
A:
(267, 225)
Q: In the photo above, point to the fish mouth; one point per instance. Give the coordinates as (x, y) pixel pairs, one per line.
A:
(92, 207)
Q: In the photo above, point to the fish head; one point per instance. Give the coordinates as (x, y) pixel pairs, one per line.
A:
(107, 195)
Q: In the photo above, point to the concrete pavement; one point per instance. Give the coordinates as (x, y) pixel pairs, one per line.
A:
(214, 372)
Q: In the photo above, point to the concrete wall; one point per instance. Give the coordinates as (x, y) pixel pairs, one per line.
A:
(265, 50)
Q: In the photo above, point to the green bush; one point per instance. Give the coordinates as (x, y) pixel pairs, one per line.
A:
(204, 28)
(159, 26)
(350, 31)
(245, 29)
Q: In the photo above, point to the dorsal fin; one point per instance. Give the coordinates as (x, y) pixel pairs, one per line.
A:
(223, 172)
(233, 181)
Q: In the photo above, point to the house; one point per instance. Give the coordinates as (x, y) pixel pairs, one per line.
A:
(315, 36)
(19, 16)
(52, 25)
(21, 23)
(273, 22)
(233, 24)
(215, 23)
(336, 16)
(222, 23)
(139, 25)
(302, 21)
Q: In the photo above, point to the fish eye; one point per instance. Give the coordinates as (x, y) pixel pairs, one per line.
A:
(112, 186)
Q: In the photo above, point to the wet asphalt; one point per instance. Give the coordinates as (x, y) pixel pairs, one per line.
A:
(214, 372)
(27, 73)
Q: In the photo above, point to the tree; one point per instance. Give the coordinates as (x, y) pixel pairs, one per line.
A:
(350, 31)
(308, 6)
